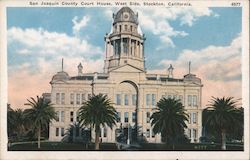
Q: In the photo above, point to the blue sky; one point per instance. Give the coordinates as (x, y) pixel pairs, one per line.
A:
(39, 37)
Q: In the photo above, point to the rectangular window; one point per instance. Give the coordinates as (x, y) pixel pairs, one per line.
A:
(57, 132)
(189, 133)
(126, 27)
(57, 116)
(194, 133)
(126, 99)
(148, 99)
(181, 98)
(62, 132)
(118, 99)
(153, 133)
(77, 131)
(72, 98)
(126, 117)
(71, 116)
(134, 99)
(62, 98)
(133, 117)
(83, 98)
(194, 100)
(77, 98)
(148, 133)
(153, 99)
(104, 132)
(189, 100)
(57, 98)
(77, 116)
(89, 96)
(148, 117)
(118, 116)
(194, 118)
(62, 116)
(189, 118)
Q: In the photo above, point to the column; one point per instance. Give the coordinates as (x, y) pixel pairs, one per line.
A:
(121, 44)
(129, 47)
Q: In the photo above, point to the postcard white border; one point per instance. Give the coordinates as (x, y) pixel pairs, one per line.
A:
(206, 155)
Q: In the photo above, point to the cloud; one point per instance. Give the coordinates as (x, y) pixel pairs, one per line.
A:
(42, 52)
(40, 42)
(219, 67)
(79, 24)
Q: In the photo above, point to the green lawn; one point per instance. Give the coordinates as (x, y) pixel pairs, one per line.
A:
(61, 146)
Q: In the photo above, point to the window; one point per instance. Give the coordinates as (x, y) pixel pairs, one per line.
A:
(62, 116)
(148, 133)
(77, 116)
(153, 99)
(104, 132)
(133, 116)
(181, 98)
(189, 133)
(126, 27)
(77, 131)
(148, 99)
(153, 133)
(189, 100)
(62, 132)
(89, 96)
(120, 28)
(118, 116)
(57, 116)
(57, 132)
(71, 116)
(83, 98)
(77, 98)
(194, 118)
(131, 28)
(72, 97)
(126, 99)
(118, 99)
(134, 99)
(194, 100)
(57, 98)
(126, 117)
(148, 117)
(189, 118)
(194, 133)
(62, 98)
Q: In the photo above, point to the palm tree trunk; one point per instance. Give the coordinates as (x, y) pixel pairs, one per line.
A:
(97, 136)
(39, 135)
(223, 139)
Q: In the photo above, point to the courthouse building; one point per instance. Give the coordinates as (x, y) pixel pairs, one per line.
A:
(126, 82)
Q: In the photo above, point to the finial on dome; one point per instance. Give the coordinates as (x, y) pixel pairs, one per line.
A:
(170, 71)
(62, 64)
(80, 69)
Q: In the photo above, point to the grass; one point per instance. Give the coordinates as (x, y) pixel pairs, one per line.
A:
(62, 146)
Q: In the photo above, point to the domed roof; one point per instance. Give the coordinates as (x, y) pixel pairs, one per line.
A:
(60, 76)
(126, 14)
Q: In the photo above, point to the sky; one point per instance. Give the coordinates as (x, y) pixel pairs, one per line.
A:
(38, 38)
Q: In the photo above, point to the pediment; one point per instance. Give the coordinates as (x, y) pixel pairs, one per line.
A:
(127, 68)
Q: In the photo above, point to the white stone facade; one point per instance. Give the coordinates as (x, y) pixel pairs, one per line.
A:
(126, 82)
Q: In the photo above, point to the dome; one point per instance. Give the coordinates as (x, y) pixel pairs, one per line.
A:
(125, 14)
(192, 78)
(63, 76)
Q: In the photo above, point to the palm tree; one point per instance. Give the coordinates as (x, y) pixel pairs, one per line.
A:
(97, 112)
(16, 122)
(41, 114)
(169, 119)
(223, 116)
